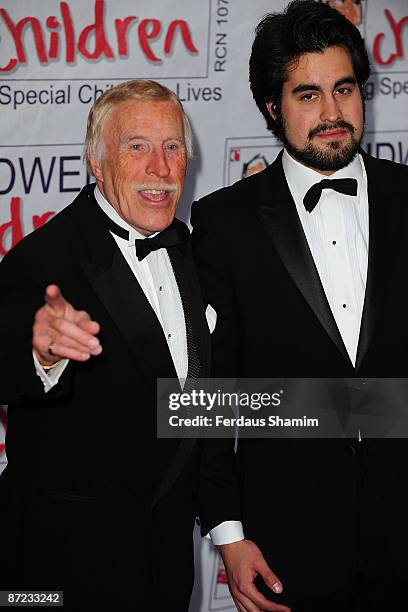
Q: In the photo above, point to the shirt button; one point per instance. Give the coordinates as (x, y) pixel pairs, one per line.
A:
(169, 336)
(334, 242)
(160, 288)
(344, 305)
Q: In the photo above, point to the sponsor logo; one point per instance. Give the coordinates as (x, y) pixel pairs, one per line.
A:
(50, 174)
(95, 32)
(246, 156)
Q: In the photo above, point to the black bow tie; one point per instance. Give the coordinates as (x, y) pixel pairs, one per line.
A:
(167, 238)
(347, 186)
(176, 234)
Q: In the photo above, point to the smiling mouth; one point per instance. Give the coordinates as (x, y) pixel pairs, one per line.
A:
(154, 191)
(154, 195)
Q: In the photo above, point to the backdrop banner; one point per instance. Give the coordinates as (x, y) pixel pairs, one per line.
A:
(56, 58)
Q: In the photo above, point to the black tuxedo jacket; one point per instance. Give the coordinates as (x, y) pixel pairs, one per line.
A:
(298, 497)
(91, 497)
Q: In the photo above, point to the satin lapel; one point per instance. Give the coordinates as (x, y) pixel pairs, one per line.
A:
(202, 336)
(197, 315)
(386, 207)
(128, 306)
(121, 294)
(277, 212)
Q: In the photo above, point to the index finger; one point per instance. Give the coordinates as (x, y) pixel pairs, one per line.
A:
(54, 297)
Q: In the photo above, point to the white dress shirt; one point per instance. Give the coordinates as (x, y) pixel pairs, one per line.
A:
(156, 277)
(337, 234)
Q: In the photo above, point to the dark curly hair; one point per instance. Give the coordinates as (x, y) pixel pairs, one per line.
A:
(305, 26)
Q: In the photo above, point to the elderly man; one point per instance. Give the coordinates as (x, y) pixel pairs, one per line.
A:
(92, 503)
(309, 281)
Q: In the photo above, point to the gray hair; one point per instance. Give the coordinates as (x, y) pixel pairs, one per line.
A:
(137, 89)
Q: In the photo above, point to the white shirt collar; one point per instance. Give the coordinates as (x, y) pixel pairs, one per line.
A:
(300, 178)
(116, 218)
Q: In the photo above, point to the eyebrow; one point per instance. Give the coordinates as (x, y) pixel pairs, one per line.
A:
(130, 137)
(311, 87)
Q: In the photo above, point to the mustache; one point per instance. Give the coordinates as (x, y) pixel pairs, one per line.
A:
(331, 126)
(156, 186)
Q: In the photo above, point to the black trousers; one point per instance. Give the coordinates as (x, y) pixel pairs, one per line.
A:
(374, 584)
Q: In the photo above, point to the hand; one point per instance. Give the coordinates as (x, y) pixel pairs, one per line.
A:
(71, 332)
(243, 562)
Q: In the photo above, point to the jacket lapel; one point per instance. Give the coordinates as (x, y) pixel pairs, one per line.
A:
(277, 212)
(121, 294)
(197, 316)
(385, 216)
(124, 299)
(185, 266)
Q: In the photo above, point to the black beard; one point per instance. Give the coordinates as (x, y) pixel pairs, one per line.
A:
(336, 155)
(333, 158)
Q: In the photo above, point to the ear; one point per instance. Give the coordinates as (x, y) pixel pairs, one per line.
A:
(272, 109)
(96, 168)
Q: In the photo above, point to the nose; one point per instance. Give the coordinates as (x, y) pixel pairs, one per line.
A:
(157, 164)
(330, 110)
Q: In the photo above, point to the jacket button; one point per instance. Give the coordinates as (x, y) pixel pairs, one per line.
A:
(350, 450)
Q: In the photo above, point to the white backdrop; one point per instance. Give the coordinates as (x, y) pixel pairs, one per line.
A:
(56, 57)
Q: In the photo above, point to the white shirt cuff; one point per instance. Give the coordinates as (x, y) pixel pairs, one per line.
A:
(227, 533)
(51, 377)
